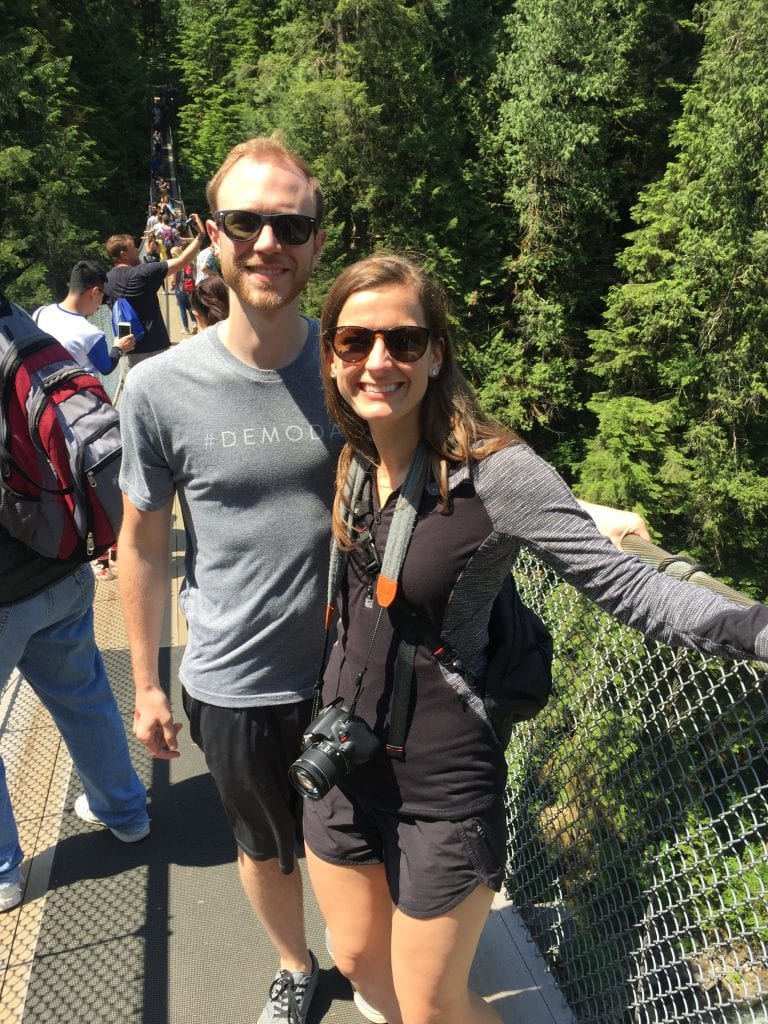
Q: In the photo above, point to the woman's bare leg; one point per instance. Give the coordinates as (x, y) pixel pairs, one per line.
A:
(431, 960)
(357, 907)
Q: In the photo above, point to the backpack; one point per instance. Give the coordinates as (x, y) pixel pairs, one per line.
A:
(169, 238)
(188, 282)
(517, 682)
(60, 448)
(123, 311)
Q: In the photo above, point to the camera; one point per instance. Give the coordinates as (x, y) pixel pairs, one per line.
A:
(331, 747)
(123, 329)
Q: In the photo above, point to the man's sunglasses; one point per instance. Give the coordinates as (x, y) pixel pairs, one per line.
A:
(405, 344)
(245, 226)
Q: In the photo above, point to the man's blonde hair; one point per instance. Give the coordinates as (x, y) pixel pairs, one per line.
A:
(265, 149)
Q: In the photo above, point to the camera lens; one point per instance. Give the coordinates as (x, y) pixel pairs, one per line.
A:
(306, 784)
(317, 770)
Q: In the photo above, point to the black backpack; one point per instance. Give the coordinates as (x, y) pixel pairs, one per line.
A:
(517, 681)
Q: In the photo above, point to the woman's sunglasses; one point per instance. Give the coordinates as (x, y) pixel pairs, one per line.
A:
(245, 226)
(405, 344)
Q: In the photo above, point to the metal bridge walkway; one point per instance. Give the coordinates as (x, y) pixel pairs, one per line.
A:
(160, 932)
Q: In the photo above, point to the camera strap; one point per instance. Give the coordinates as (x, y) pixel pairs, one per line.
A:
(386, 573)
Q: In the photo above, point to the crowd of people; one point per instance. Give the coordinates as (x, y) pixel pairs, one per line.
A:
(166, 234)
(406, 850)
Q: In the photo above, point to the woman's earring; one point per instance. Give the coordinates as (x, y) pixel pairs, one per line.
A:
(434, 371)
(333, 372)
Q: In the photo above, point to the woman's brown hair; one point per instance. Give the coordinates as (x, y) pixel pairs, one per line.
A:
(452, 425)
(210, 300)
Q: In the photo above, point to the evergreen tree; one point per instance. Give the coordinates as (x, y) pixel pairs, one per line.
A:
(109, 73)
(371, 94)
(682, 356)
(54, 178)
(381, 97)
(216, 46)
(585, 90)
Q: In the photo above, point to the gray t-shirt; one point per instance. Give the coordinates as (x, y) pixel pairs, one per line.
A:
(252, 455)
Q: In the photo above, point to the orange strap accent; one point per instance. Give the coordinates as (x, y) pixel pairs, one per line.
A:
(329, 610)
(386, 589)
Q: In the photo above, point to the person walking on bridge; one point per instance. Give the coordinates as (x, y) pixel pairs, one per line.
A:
(139, 282)
(46, 631)
(67, 321)
(242, 426)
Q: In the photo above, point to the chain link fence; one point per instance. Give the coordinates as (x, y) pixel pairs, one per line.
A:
(102, 319)
(638, 828)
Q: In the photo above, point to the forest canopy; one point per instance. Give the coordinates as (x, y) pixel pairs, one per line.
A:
(589, 180)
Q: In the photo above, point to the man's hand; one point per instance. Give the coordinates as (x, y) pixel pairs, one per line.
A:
(614, 523)
(153, 725)
(126, 344)
(195, 218)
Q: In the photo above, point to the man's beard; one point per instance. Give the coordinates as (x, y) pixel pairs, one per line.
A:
(258, 295)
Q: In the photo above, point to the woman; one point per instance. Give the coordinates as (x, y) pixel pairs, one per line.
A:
(406, 852)
(167, 235)
(209, 302)
(182, 284)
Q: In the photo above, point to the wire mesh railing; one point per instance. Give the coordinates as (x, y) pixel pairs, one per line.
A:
(102, 319)
(638, 852)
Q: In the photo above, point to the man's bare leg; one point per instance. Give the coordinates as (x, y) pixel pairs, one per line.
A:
(278, 901)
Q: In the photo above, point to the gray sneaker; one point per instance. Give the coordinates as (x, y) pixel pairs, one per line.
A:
(290, 995)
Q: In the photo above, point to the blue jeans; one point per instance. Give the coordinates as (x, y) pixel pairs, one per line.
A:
(50, 638)
(182, 299)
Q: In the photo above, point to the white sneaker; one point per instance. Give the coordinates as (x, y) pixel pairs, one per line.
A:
(369, 1012)
(84, 812)
(10, 895)
(103, 572)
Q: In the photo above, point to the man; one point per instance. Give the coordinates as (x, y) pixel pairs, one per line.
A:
(235, 423)
(66, 321)
(139, 283)
(206, 264)
(46, 629)
(86, 343)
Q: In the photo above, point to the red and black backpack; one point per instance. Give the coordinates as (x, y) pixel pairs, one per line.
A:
(60, 446)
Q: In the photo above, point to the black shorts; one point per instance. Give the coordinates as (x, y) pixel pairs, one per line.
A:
(248, 751)
(431, 866)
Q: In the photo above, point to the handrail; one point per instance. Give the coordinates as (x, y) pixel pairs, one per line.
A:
(682, 567)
